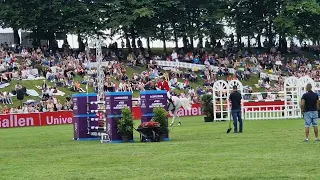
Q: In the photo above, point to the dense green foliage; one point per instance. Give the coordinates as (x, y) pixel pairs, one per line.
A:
(165, 20)
(207, 105)
(161, 116)
(125, 124)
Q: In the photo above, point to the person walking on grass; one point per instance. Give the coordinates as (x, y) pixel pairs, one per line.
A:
(235, 98)
(310, 107)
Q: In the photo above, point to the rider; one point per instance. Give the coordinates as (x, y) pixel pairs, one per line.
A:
(165, 86)
(171, 101)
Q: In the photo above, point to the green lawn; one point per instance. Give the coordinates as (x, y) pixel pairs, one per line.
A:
(271, 149)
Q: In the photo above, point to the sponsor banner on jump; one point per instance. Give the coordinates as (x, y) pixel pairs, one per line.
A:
(116, 102)
(150, 101)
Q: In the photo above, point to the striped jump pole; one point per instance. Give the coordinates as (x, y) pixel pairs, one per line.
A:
(265, 100)
(264, 112)
(82, 116)
(268, 93)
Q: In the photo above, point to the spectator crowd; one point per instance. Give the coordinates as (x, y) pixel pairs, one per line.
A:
(70, 70)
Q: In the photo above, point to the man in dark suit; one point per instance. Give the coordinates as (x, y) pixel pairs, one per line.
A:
(310, 107)
(235, 98)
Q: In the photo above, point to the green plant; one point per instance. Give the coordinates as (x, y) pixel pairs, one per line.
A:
(207, 105)
(161, 116)
(125, 124)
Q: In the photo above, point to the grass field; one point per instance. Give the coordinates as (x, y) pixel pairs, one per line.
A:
(271, 149)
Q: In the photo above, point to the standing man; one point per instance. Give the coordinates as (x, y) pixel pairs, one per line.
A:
(309, 107)
(235, 98)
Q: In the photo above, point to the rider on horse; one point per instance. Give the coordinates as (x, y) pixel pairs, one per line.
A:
(164, 85)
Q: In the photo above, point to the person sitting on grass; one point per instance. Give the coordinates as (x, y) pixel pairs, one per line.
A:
(173, 82)
(7, 98)
(77, 87)
(6, 110)
(186, 84)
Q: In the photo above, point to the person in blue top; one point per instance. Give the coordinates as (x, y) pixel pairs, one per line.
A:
(310, 107)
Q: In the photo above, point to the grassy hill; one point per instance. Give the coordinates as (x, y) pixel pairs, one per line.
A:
(32, 85)
(130, 71)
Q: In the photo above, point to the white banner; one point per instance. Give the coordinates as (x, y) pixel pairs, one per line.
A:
(189, 66)
(272, 77)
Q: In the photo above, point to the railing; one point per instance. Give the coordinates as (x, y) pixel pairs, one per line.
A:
(271, 112)
(264, 112)
(190, 66)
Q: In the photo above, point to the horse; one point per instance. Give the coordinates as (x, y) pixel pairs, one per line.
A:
(178, 102)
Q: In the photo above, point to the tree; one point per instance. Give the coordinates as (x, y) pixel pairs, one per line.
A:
(300, 19)
(10, 13)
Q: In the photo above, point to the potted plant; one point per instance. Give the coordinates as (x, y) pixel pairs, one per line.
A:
(207, 107)
(125, 124)
(161, 116)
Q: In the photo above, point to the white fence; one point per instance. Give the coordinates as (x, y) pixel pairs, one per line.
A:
(96, 64)
(289, 108)
(272, 77)
(264, 112)
(189, 66)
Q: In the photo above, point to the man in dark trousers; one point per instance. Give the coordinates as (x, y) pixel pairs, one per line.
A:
(235, 98)
(310, 107)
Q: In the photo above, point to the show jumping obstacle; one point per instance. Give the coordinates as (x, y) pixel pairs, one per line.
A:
(93, 122)
(150, 100)
(288, 108)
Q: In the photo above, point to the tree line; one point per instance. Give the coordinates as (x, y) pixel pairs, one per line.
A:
(165, 20)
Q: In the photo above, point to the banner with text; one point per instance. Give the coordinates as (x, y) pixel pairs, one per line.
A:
(35, 119)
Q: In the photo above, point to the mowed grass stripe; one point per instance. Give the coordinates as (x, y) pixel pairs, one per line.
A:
(268, 149)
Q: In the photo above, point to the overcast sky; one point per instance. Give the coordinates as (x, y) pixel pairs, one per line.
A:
(72, 39)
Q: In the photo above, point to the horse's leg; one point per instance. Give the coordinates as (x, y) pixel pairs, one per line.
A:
(173, 118)
(179, 124)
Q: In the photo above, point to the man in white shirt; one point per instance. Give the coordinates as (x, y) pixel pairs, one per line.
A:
(206, 62)
(191, 92)
(18, 86)
(174, 56)
(309, 66)
(120, 87)
(173, 82)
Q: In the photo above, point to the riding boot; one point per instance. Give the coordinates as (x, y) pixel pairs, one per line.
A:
(173, 106)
